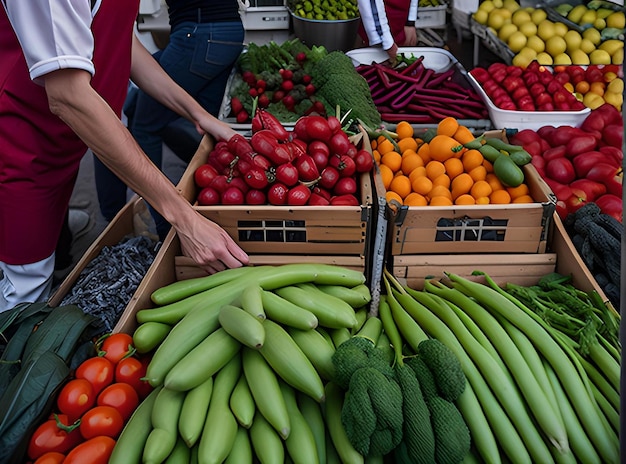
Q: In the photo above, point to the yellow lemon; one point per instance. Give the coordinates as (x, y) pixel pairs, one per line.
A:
(592, 100)
(528, 29)
(535, 42)
(588, 17)
(562, 58)
(611, 46)
(516, 41)
(599, 57)
(538, 15)
(587, 46)
(573, 40)
(481, 16)
(579, 57)
(560, 28)
(593, 35)
(487, 6)
(544, 59)
(616, 20)
(521, 60)
(511, 5)
(615, 99)
(520, 17)
(556, 45)
(497, 19)
(545, 29)
(506, 30)
(576, 13)
(599, 24)
(615, 86)
(618, 57)
(498, 3)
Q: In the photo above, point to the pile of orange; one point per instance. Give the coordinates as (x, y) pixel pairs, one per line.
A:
(440, 172)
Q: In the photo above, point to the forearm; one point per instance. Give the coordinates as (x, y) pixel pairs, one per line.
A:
(72, 98)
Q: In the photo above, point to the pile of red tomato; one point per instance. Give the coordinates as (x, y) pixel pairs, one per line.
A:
(315, 164)
(93, 406)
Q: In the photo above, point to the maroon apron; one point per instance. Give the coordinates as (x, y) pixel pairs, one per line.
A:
(39, 154)
(397, 12)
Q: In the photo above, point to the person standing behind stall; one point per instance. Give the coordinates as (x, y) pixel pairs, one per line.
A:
(206, 38)
(64, 72)
(388, 23)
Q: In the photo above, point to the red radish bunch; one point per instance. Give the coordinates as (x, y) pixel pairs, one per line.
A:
(580, 164)
(315, 164)
(533, 88)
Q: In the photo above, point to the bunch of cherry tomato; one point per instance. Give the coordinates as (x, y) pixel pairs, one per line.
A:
(93, 406)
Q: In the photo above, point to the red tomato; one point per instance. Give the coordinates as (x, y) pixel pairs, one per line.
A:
(101, 421)
(97, 450)
(76, 397)
(204, 174)
(116, 346)
(98, 370)
(51, 457)
(49, 437)
(131, 371)
(120, 396)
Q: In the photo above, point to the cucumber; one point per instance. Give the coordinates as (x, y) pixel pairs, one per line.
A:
(509, 173)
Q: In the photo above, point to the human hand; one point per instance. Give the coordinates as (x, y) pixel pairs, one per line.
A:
(392, 52)
(217, 128)
(209, 245)
(410, 34)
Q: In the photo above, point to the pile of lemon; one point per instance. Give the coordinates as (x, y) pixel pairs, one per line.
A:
(531, 35)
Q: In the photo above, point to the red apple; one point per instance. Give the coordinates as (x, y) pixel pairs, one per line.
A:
(576, 200)
(591, 188)
(525, 136)
(611, 204)
(561, 170)
(561, 191)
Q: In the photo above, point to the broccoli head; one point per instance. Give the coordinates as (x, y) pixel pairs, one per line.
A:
(452, 437)
(445, 367)
(372, 412)
(356, 353)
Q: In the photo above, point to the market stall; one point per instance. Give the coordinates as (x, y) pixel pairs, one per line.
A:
(434, 269)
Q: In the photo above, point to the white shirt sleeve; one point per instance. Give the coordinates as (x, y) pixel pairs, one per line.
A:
(375, 23)
(54, 34)
(413, 11)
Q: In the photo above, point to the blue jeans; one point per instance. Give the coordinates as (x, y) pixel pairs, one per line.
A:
(199, 57)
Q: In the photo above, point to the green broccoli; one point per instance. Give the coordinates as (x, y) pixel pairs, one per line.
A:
(372, 412)
(445, 367)
(337, 81)
(424, 376)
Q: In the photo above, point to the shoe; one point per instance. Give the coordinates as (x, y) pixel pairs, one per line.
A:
(79, 223)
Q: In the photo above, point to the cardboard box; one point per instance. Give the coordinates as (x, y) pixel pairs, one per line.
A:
(129, 221)
(511, 228)
(295, 230)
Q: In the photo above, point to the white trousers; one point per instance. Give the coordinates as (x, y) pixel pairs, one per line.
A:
(25, 283)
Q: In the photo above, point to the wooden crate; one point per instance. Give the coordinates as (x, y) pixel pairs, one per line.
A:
(492, 229)
(297, 230)
(129, 221)
(171, 266)
(522, 269)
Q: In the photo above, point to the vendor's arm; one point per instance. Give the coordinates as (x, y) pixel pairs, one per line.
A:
(410, 32)
(73, 99)
(376, 25)
(149, 76)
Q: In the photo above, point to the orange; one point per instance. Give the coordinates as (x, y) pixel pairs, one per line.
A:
(461, 184)
(494, 181)
(401, 185)
(478, 173)
(520, 190)
(422, 185)
(443, 147)
(440, 201)
(582, 87)
(488, 165)
(393, 196)
(424, 152)
(443, 179)
(434, 169)
(385, 146)
(523, 199)
(440, 191)
(447, 126)
(454, 167)
(415, 199)
(373, 144)
(407, 144)
(482, 200)
(463, 135)
(465, 199)
(597, 88)
(404, 130)
(386, 175)
(376, 155)
(481, 188)
(500, 197)
(417, 172)
(393, 160)
(472, 159)
(410, 162)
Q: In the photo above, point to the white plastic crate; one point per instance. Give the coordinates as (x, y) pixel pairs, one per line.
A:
(265, 18)
(431, 16)
(509, 119)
